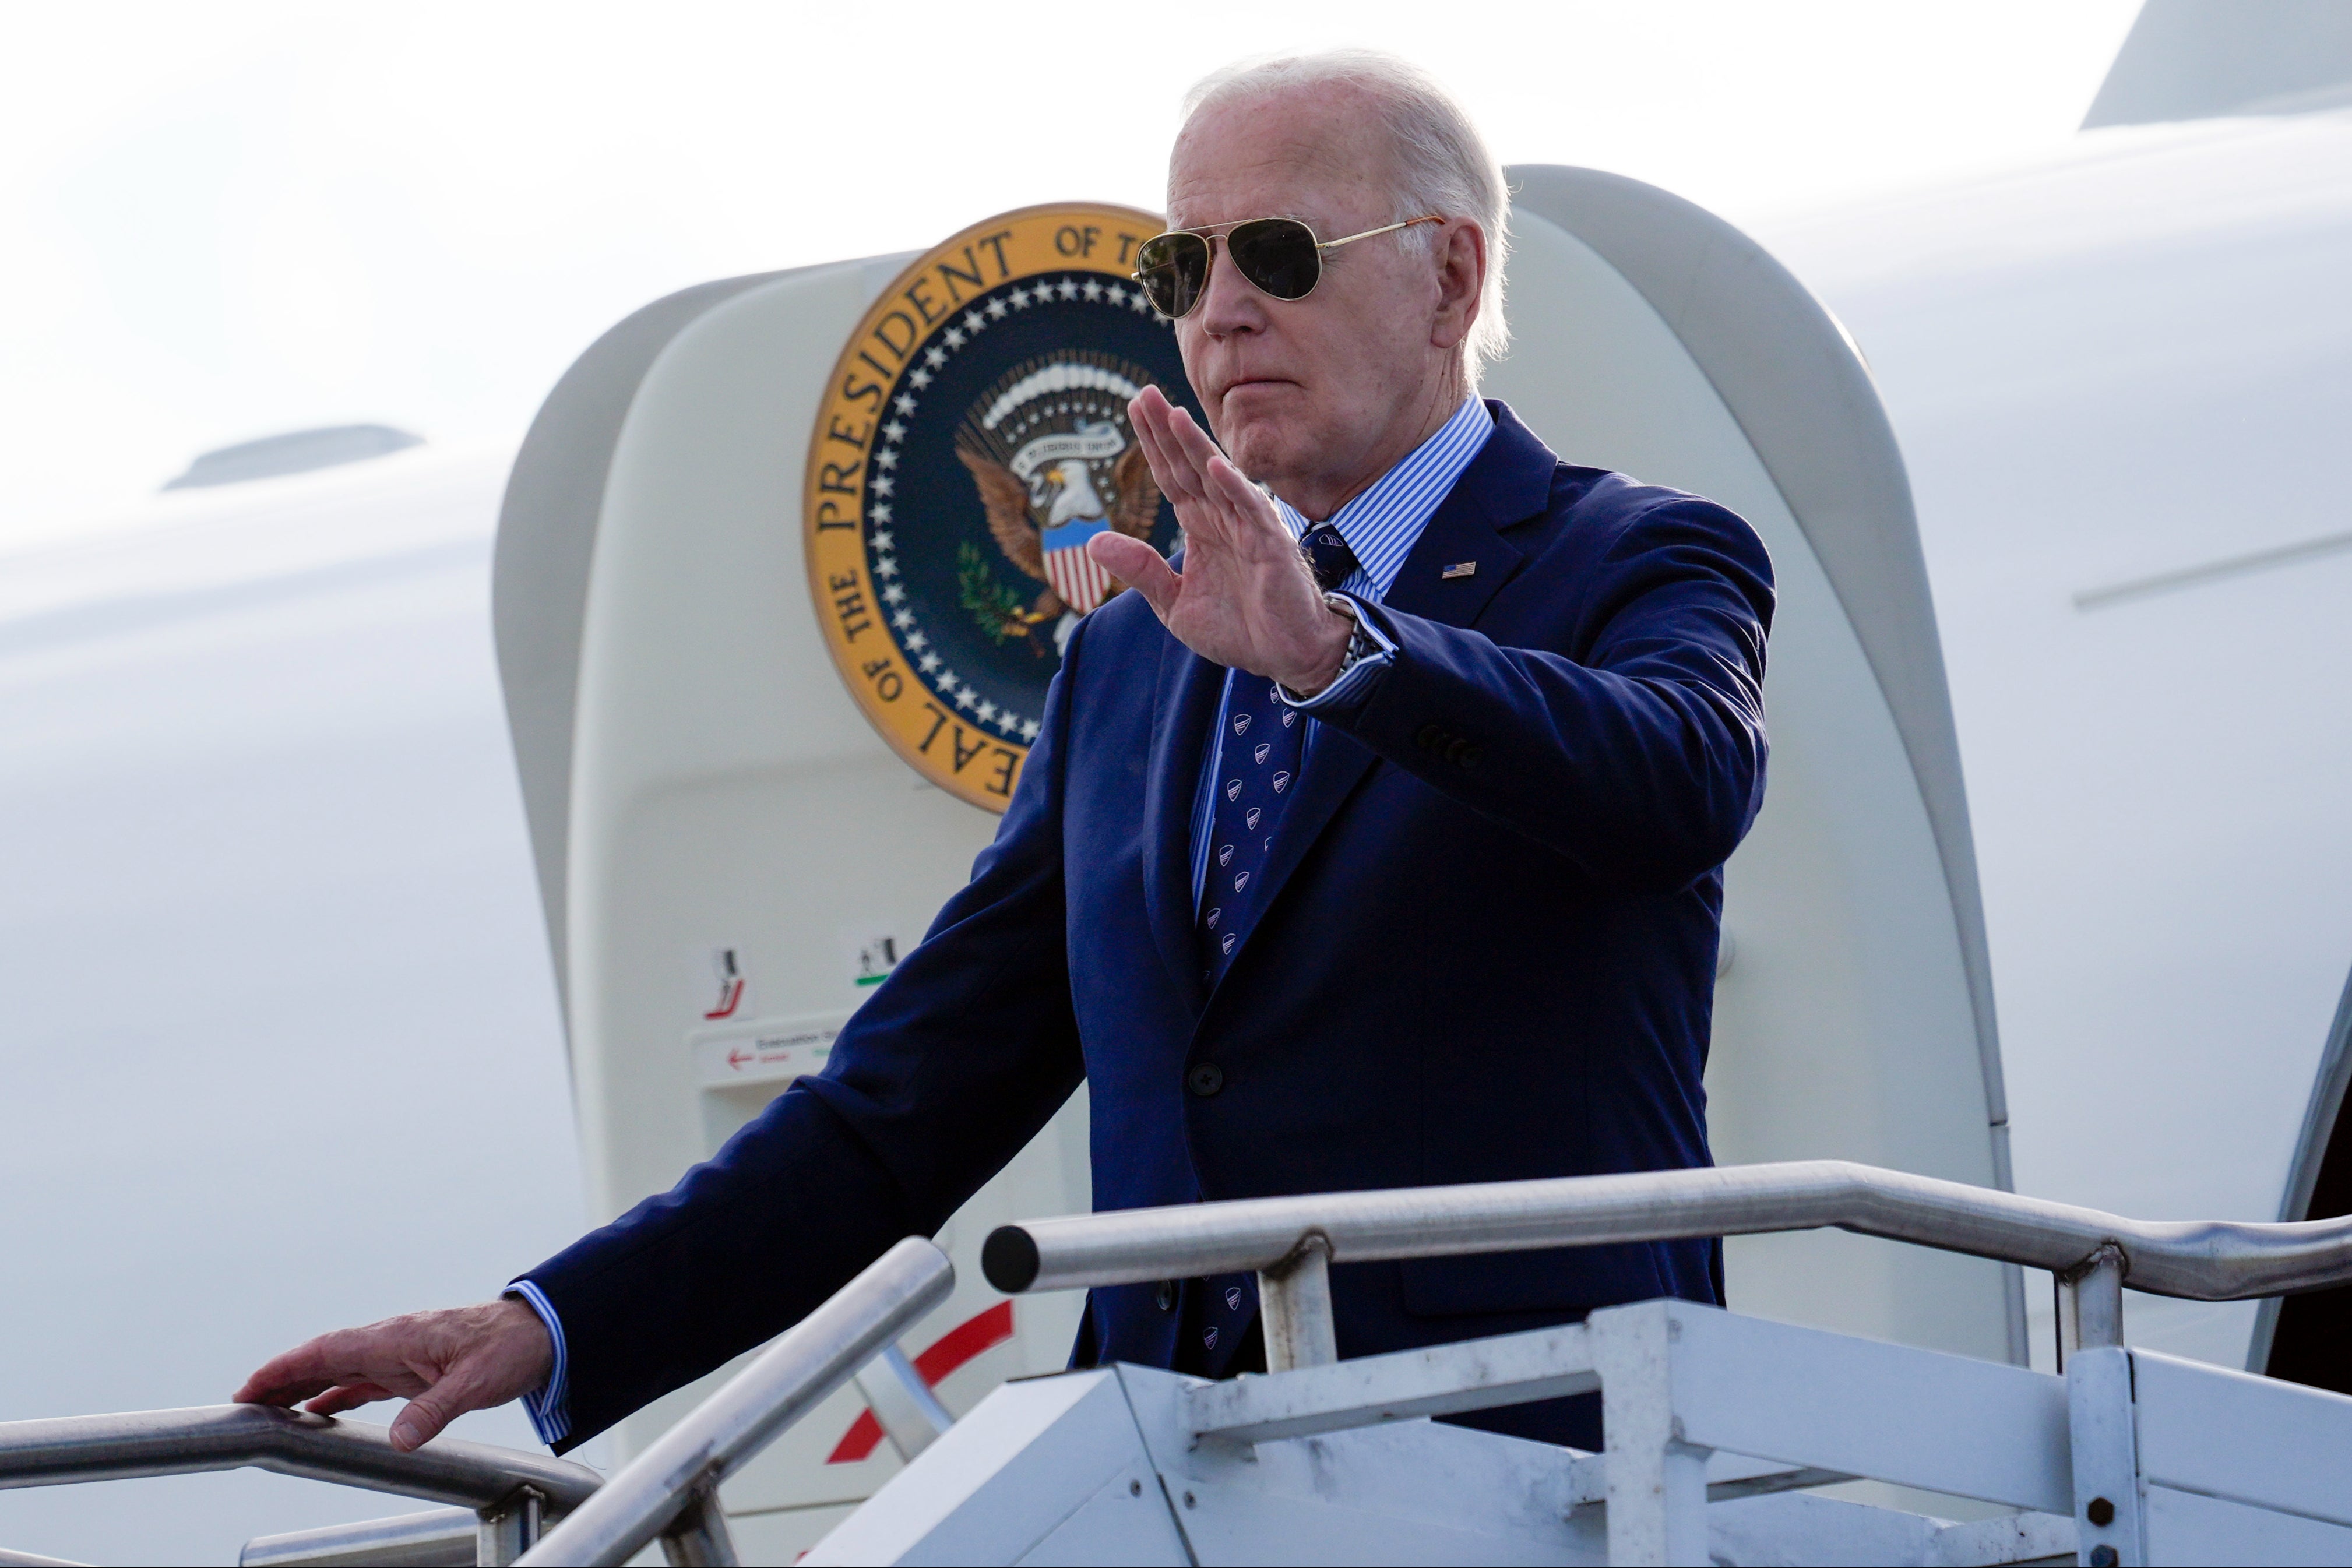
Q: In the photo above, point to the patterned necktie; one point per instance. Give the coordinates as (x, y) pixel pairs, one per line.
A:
(1264, 739)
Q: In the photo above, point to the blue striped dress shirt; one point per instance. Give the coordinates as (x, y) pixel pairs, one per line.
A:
(546, 1407)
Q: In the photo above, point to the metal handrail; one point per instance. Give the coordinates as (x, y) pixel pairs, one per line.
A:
(668, 1490)
(440, 1536)
(2211, 1260)
(231, 1436)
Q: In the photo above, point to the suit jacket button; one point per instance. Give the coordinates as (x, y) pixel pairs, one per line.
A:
(1469, 758)
(1167, 1299)
(1430, 738)
(1205, 1079)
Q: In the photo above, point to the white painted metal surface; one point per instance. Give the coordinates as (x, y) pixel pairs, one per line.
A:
(268, 897)
(1545, 1363)
(723, 796)
(1917, 1418)
(2105, 1454)
(1845, 1027)
(2177, 1462)
(2134, 1457)
(2222, 1452)
(1130, 1465)
(2121, 377)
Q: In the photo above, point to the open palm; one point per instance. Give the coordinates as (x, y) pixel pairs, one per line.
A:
(1246, 597)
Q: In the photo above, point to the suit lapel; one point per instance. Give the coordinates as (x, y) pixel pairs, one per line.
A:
(1456, 535)
(1184, 704)
(1508, 482)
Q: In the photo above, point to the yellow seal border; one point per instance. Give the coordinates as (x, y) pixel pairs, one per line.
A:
(1059, 237)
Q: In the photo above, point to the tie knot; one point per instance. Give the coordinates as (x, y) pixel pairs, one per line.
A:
(1328, 556)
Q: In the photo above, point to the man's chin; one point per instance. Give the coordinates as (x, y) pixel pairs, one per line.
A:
(1268, 448)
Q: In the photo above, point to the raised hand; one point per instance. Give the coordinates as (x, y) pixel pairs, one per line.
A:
(1246, 597)
(443, 1363)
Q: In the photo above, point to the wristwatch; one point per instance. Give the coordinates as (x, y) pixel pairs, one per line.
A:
(1360, 645)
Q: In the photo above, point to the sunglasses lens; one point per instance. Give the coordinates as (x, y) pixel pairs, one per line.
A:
(1278, 254)
(1172, 268)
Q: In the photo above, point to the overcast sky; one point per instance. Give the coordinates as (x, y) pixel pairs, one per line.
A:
(224, 220)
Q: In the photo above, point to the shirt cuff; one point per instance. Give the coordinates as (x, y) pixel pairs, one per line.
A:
(548, 1405)
(1357, 678)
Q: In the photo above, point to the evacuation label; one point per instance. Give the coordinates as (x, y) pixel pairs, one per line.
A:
(765, 1051)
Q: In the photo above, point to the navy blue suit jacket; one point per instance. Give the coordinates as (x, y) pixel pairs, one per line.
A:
(1488, 953)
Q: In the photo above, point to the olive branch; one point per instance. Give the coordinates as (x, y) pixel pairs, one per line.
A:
(995, 608)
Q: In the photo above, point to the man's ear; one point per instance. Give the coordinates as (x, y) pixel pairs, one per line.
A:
(1461, 279)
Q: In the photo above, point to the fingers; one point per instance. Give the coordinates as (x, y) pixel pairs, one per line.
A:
(420, 1423)
(495, 1368)
(1172, 444)
(1134, 562)
(278, 1382)
(284, 1394)
(445, 1364)
(1148, 414)
(311, 1367)
(348, 1397)
(1193, 440)
(1255, 520)
(430, 1411)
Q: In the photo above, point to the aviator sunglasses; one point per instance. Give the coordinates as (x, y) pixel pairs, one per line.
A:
(1280, 257)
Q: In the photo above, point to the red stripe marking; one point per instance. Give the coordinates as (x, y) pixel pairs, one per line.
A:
(734, 997)
(959, 1345)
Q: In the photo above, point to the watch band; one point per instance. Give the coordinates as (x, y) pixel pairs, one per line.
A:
(1360, 645)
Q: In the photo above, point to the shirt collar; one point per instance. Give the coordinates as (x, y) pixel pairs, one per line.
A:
(1382, 525)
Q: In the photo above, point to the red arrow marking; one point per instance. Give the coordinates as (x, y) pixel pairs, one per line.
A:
(955, 1347)
(737, 1056)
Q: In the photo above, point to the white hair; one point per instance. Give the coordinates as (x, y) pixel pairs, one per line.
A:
(1441, 163)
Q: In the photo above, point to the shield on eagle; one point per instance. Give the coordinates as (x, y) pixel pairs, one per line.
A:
(1049, 448)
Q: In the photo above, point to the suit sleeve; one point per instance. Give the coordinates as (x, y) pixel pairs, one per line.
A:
(946, 1071)
(1636, 747)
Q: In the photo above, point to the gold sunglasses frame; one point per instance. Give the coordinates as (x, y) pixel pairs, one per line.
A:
(1209, 235)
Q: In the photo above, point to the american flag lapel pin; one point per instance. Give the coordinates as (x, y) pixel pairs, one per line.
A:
(1460, 569)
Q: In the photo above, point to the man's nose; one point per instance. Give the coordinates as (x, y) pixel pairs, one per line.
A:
(1230, 304)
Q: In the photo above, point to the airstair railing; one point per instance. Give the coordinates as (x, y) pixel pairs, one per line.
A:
(439, 1538)
(670, 1492)
(1292, 1241)
(508, 1490)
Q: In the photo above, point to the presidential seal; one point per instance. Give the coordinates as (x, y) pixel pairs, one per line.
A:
(973, 439)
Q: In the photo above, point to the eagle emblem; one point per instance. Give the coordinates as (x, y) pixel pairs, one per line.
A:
(971, 442)
(1049, 450)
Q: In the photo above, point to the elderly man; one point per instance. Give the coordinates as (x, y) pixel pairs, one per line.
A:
(1374, 841)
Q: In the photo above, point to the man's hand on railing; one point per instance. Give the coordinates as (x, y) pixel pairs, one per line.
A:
(443, 1363)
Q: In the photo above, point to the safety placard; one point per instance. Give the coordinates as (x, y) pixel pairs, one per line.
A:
(764, 1051)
